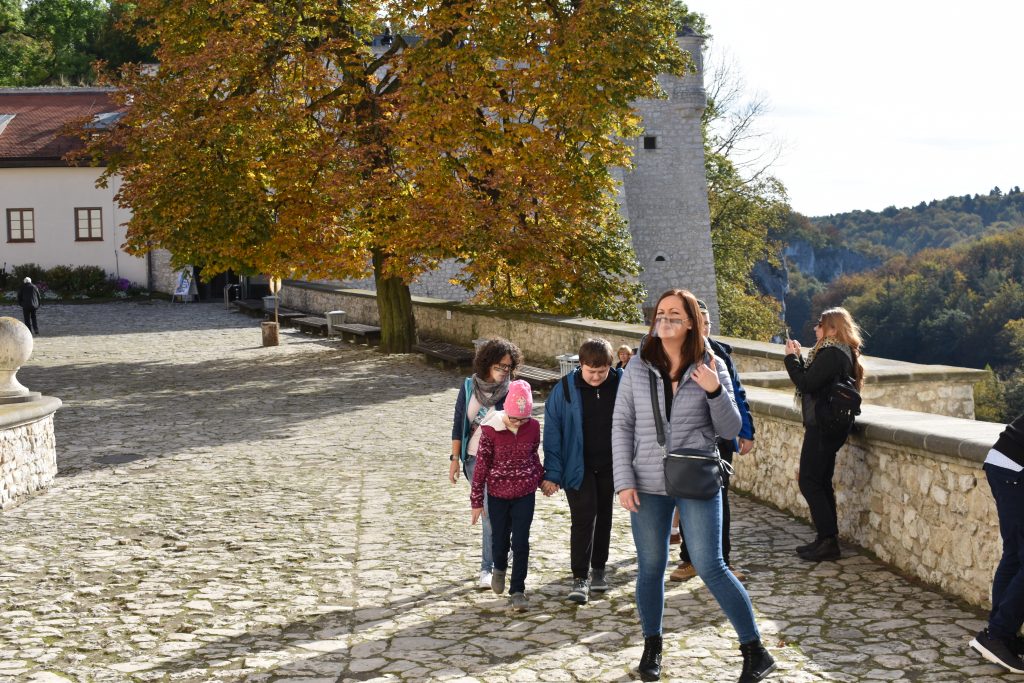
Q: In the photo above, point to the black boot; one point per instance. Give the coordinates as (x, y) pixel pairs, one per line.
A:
(827, 550)
(757, 663)
(809, 546)
(650, 661)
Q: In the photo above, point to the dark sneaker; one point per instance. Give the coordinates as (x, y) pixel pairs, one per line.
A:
(997, 652)
(498, 581)
(598, 580)
(580, 592)
(520, 602)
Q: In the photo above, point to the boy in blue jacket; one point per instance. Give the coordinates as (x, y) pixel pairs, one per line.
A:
(578, 459)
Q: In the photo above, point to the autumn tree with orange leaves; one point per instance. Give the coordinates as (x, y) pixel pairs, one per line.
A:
(274, 138)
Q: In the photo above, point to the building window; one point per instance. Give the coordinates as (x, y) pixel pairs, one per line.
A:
(88, 225)
(650, 142)
(21, 225)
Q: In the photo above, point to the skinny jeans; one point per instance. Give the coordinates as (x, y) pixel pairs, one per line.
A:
(486, 558)
(1007, 613)
(817, 467)
(511, 519)
(702, 525)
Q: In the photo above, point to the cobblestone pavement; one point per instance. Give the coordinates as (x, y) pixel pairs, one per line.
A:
(227, 512)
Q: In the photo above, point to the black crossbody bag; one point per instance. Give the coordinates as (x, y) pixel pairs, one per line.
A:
(689, 472)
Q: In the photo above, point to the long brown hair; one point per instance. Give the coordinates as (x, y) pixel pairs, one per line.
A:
(693, 346)
(848, 332)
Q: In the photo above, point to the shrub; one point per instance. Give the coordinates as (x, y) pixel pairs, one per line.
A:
(59, 278)
(32, 270)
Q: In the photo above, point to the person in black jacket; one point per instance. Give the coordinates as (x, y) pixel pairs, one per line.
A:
(1000, 643)
(836, 354)
(29, 300)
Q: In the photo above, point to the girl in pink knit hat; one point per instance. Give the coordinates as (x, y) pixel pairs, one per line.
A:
(509, 464)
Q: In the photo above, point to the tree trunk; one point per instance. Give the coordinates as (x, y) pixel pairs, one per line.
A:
(394, 308)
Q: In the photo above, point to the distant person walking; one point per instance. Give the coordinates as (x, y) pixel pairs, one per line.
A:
(1000, 643)
(508, 464)
(676, 375)
(836, 354)
(29, 300)
(578, 459)
(480, 396)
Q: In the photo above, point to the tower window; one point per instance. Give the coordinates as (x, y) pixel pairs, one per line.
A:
(650, 142)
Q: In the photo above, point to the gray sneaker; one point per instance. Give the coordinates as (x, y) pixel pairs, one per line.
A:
(598, 581)
(520, 602)
(498, 581)
(580, 592)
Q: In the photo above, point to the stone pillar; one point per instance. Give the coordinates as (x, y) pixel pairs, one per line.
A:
(28, 453)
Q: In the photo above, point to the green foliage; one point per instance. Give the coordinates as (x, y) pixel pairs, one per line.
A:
(962, 306)
(937, 224)
(989, 398)
(32, 270)
(58, 41)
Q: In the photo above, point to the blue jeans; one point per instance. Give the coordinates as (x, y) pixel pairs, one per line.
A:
(511, 522)
(702, 526)
(487, 559)
(1007, 614)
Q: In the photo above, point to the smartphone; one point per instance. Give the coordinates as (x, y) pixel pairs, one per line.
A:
(786, 332)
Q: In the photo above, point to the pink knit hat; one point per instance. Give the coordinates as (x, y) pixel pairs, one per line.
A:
(519, 400)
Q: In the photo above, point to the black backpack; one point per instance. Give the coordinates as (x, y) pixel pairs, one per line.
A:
(837, 406)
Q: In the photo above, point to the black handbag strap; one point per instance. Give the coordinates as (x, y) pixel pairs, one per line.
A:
(657, 410)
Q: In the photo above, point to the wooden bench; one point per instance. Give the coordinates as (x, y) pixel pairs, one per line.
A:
(357, 331)
(251, 307)
(285, 316)
(458, 356)
(539, 378)
(311, 324)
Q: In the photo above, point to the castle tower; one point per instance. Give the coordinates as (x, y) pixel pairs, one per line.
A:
(665, 194)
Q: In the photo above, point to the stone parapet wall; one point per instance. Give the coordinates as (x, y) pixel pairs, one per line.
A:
(909, 488)
(28, 450)
(936, 389)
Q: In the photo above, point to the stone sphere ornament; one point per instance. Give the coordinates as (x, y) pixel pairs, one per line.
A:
(15, 350)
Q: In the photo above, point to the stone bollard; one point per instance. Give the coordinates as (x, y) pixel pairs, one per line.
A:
(271, 333)
(15, 348)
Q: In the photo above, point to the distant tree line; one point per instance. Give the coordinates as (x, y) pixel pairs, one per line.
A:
(56, 42)
(960, 306)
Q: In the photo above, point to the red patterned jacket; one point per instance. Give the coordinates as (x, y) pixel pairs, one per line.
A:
(506, 461)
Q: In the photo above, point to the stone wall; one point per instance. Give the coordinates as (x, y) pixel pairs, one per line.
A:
(929, 388)
(909, 488)
(28, 451)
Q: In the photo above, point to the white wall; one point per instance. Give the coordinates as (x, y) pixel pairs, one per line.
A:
(54, 193)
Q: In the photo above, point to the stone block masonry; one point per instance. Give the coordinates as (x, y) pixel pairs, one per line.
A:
(28, 452)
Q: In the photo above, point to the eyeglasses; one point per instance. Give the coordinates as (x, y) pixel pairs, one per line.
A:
(662, 320)
(502, 367)
(517, 420)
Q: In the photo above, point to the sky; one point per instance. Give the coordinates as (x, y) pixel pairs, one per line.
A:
(880, 104)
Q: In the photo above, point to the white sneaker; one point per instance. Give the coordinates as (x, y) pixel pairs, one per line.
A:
(485, 580)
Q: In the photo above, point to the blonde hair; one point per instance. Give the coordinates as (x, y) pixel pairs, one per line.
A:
(626, 348)
(848, 332)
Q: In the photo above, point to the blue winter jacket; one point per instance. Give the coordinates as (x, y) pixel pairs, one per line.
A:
(563, 433)
(724, 351)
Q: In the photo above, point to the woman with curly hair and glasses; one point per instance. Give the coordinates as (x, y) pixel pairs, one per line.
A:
(480, 395)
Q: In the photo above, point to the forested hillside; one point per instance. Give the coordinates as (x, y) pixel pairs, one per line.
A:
(961, 306)
(940, 223)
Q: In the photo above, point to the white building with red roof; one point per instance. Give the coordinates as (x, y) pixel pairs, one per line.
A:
(52, 213)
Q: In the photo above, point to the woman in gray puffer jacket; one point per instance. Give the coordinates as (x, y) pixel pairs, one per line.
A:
(695, 399)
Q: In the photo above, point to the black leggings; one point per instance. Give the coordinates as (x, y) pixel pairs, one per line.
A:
(591, 530)
(817, 465)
